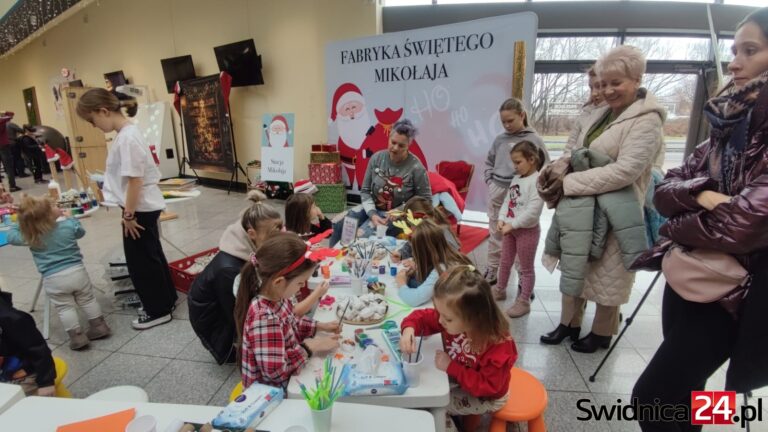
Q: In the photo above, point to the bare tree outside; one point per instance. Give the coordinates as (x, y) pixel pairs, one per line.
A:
(558, 97)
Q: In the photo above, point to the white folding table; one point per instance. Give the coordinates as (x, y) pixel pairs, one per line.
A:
(43, 414)
(433, 390)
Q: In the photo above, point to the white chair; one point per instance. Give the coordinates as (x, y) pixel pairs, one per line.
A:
(124, 393)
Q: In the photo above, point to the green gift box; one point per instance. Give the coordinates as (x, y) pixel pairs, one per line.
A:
(331, 198)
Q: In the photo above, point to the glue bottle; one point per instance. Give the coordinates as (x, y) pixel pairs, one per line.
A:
(54, 190)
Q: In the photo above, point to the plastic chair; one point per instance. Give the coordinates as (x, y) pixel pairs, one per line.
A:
(58, 383)
(527, 403)
(236, 391)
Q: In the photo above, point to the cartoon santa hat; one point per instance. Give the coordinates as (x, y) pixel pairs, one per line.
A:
(64, 159)
(346, 92)
(281, 119)
(397, 182)
(304, 186)
(50, 154)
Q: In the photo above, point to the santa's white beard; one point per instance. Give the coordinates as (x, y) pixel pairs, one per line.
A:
(352, 131)
(277, 139)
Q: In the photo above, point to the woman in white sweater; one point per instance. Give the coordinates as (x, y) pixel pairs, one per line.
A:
(519, 223)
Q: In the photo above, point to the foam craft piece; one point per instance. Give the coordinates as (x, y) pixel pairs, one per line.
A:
(115, 422)
(325, 173)
(65, 159)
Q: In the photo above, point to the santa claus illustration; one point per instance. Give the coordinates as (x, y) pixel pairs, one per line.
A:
(378, 139)
(277, 132)
(353, 123)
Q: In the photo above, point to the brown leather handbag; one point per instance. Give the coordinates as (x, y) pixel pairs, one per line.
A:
(706, 276)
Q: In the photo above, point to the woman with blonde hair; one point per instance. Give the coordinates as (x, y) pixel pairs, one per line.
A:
(628, 129)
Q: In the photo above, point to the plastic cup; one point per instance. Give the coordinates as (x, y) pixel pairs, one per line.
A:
(145, 423)
(381, 231)
(358, 287)
(412, 370)
(321, 419)
(326, 270)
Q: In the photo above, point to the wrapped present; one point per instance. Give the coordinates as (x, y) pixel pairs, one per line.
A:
(324, 157)
(331, 198)
(325, 148)
(325, 173)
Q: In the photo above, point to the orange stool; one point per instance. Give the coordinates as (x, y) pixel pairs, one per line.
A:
(236, 391)
(527, 402)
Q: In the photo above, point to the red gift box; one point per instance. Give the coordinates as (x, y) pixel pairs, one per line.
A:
(325, 148)
(325, 173)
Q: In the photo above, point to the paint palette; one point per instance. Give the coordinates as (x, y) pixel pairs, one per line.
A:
(392, 337)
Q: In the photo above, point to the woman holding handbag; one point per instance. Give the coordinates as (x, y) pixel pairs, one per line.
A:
(717, 205)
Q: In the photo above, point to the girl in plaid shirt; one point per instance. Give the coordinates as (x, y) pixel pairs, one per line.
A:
(275, 343)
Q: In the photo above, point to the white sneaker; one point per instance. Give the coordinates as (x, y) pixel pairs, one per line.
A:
(144, 321)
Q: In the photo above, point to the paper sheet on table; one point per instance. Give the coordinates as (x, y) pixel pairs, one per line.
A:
(115, 422)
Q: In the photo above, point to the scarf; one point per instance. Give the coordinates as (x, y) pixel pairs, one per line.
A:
(729, 114)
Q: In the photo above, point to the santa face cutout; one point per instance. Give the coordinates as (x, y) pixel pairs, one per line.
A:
(398, 147)
(277, 132)
(278, 135)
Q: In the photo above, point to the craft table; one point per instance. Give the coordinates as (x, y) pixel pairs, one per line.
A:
(26, 415)
(9, 395)
(433, 391)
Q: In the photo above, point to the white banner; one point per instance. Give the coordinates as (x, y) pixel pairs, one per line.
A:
(449, 80)
(277, 164)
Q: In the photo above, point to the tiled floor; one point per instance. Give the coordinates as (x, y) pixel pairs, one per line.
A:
(171, 364)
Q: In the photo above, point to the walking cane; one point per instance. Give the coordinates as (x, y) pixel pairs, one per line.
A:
(627, 323)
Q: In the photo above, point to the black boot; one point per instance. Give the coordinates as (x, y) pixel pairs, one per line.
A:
(591, 342)
(561, 332)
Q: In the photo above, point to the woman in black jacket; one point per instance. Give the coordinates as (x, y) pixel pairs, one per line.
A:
(25, 358)
(211, 302)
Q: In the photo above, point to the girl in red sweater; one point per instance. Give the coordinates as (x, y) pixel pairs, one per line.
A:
(479, 351)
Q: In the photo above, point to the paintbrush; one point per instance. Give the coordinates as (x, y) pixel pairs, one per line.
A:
(418, 350)
(341, 320)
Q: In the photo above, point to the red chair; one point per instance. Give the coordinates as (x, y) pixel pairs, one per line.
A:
(459, 173)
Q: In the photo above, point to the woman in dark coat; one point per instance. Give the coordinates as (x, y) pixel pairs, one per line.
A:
(211, 302)
(718, 200)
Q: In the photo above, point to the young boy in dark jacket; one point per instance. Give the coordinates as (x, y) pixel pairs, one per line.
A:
(25, 358)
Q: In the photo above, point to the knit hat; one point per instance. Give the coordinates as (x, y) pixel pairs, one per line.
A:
(304, 186)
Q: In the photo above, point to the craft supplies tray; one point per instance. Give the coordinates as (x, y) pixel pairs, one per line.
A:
(182, 279)
(365, 309)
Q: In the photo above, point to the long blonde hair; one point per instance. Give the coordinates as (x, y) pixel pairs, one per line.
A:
(431, 250)
(37, 217)
(468, 295)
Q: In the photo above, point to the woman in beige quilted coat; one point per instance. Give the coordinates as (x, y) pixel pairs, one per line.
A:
(628, 128)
